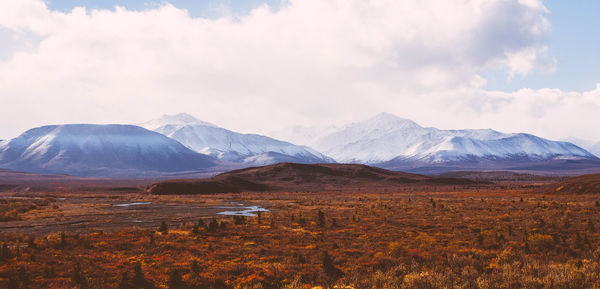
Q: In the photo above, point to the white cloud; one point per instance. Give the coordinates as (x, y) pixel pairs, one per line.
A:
(312, 61)
(552, 113)
(523, 62)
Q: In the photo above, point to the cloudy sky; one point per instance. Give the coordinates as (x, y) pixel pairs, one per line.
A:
(251, 65)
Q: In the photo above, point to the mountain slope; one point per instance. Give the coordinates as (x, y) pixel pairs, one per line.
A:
(294, 177)
(585, 184)
(251, 149)
(396, 143)
(99, 150)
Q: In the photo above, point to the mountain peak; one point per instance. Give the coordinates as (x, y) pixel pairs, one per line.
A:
(175, 119)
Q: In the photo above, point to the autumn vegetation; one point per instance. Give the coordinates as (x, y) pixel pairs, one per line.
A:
(11, 209)
(472, 238)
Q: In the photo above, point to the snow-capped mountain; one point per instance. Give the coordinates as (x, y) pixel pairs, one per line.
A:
(231, 146)
(99, 150)
(393, 142)
(181, 143)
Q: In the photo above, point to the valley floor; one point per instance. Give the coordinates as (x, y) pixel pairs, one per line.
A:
(472, 238)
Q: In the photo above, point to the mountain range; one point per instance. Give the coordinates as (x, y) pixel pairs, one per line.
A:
(176, 144)
(395, 143)
(249, 149)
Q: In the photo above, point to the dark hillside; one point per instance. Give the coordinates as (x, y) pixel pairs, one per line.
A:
(302, 177)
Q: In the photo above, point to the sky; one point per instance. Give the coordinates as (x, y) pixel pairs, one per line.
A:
(255, 66)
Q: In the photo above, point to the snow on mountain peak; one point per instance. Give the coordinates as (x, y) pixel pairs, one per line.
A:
(233, 146)
(386, 137)
(367, 135)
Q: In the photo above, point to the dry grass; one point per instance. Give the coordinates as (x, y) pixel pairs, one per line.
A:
(485, 238)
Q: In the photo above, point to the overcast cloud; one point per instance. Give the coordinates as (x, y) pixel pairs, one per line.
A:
(312, 62)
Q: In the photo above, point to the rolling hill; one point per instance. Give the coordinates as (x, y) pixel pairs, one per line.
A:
(294, 177)
(585, 184)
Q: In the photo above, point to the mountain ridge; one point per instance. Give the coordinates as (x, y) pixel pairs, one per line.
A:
(224, 144)
(389, 141)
